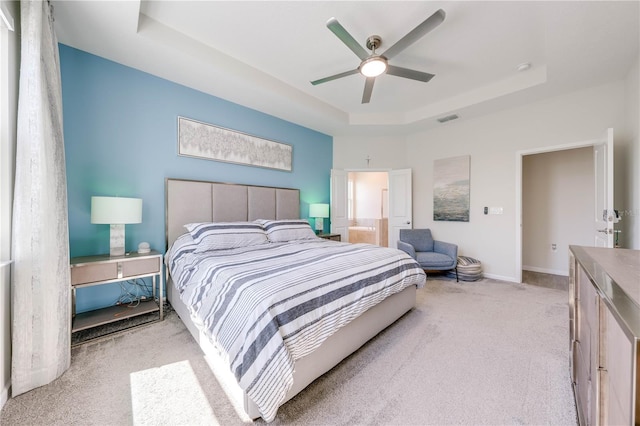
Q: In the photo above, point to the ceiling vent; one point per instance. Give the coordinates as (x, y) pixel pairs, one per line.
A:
(448, 118)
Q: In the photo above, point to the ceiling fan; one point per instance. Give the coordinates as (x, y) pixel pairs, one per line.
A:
(374, 64)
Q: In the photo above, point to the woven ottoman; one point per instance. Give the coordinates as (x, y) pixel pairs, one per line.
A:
(469, 269)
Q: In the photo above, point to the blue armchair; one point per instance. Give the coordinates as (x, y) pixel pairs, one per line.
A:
(430, 254)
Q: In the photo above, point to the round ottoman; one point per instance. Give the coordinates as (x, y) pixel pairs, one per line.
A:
(469, 269)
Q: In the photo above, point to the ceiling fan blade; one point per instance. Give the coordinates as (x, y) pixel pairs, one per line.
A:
(334, 77)
(346, 38)
(429, 24)
(368, 88)
(407, 73)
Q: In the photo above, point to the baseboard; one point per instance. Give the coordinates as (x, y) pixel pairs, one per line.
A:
(545, 271)
(501, 278)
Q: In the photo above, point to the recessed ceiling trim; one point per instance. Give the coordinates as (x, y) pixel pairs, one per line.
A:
(558, 35)
(381, 119)
(519, 82)
(535, 77)
(268, 94)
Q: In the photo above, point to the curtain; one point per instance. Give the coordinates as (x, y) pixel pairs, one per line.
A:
(41, 289)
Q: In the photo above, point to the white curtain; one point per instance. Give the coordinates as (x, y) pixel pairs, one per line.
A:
(41, 295)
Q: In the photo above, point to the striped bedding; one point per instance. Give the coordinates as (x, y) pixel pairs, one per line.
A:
(267, 305)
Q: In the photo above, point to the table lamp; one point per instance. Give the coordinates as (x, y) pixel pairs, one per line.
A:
(319, 212)
(116, 212)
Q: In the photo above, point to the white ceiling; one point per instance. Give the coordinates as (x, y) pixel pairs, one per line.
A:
(263, 54)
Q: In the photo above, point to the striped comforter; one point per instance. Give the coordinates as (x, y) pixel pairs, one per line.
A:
(265, 306)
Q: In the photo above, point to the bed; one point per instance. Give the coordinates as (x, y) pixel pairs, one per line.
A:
(284, 369)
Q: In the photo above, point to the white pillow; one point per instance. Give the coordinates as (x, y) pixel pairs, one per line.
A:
(287, 230)
(225, 235)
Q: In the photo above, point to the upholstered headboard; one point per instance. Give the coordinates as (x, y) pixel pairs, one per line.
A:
(189, 201)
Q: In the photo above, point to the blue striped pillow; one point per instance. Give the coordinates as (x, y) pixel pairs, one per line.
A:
(226, 235)
(287, 230)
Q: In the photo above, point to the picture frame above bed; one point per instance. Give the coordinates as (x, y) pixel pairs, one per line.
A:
(202, 140)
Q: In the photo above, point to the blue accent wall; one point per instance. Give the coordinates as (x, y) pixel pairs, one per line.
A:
(120, 129)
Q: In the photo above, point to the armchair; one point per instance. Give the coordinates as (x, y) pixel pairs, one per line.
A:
(429, 253)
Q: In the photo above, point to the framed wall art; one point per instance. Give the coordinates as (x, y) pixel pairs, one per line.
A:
(202, 140)
(451, 191)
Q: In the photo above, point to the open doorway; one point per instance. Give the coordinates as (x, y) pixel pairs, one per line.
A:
(594, 190)
(368, 207)
(558, 195)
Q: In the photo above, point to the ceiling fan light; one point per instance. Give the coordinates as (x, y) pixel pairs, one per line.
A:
(373, 67)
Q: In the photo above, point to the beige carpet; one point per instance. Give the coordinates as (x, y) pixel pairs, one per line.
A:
(485, 352)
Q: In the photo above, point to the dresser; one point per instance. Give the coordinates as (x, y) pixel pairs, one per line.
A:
(604, 318)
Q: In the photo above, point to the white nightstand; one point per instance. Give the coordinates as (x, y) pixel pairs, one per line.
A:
(90, 271)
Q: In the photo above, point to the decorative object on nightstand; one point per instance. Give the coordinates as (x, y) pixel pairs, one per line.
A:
(116, 212)
(319, 212)
(334, 237)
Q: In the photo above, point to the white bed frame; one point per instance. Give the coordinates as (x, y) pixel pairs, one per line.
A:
(190, 201)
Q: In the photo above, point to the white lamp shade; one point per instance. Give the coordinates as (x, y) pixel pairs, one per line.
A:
(116, 210)
(318, 210)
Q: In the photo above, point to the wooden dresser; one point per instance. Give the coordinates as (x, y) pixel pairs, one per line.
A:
(604, 315)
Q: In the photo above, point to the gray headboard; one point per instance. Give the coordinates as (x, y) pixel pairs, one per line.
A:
(189, 201)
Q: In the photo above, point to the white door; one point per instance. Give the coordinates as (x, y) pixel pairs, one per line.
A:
(339, 204)
(605, 216)
(400, 206)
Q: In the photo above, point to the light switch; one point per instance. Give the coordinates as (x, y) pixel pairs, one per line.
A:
(495, 210)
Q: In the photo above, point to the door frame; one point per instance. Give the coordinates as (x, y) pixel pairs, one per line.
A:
(519, 158)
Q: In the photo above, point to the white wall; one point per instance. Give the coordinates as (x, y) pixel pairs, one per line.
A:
(383, 152)
(492, 142)
(557, 207)
(10, 62)
(368, 196)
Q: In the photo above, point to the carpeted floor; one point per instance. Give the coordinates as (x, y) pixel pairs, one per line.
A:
(485, 352)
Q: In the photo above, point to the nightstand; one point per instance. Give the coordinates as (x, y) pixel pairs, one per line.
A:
(90, 271)
(334, 237)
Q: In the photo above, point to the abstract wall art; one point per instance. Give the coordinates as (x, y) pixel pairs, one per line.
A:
(202, 140)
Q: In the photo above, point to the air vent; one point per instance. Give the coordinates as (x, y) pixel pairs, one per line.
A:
(447, 118)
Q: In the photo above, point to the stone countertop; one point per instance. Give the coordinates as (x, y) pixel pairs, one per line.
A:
(616, 275)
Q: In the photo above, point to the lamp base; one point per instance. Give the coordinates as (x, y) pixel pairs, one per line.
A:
(319, 225)
(116, 240)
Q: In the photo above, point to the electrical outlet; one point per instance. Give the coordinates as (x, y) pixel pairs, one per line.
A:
(554, 247)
